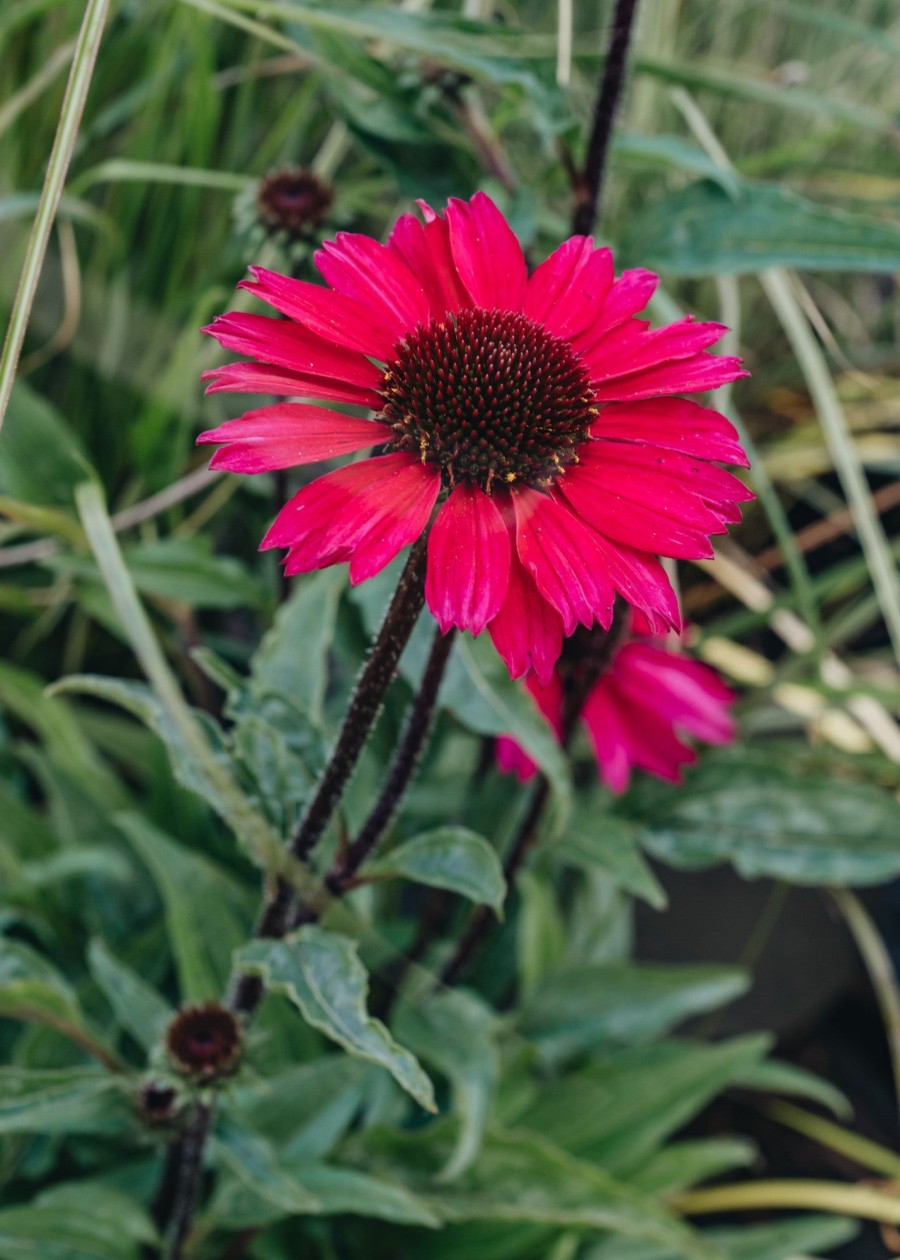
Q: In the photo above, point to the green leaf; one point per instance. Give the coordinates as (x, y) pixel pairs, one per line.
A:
(784, 1240)
(684, 1164)
(43, 461)
(306, 1109)
(221, 793)
(78, 1221)
(703, 231)
(771, 1076)
(448, 857)
(486, 700)
(321, 974)
(255, 1163)
(594, 839)
(64, 1100)
(520, 1177)
(578, 1008)
(179, 569)
(766, 820)
(32, 990)
(337, 1191)
(139, 1009)
(291, 661)
(619, 1110)
(456, 1033)
(206, 913)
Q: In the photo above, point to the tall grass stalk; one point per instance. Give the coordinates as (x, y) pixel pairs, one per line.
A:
(77, 89)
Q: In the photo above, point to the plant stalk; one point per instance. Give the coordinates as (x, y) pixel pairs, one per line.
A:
(589, 186)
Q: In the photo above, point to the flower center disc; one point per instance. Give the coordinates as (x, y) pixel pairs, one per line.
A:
(489, 396)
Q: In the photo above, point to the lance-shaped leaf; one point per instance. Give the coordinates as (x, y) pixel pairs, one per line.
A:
(320, 972)
(139, 1009)
(456, 1033)
(61, 1100)
(448, 857)
(33, 990)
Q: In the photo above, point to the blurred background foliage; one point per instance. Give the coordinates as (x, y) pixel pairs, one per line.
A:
(756, 167)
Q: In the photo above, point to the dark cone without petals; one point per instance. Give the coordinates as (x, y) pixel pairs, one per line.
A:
(204, 1042)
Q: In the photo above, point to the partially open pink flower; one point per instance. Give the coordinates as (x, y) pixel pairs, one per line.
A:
(636, 713)
(532, 411)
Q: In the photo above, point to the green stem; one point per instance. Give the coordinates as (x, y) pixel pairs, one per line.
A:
(864, 1202)
(57, 168)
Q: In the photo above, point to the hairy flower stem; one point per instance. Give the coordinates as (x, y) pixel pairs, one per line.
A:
(593, 663)
(365, 705)
(406, 759)
(186, 1184)
(589, 184)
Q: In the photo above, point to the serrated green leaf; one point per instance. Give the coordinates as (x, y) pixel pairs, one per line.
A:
(138, 1008)
(448, 857)
(207, 914)
(320, 972)
(578, 1008)
(703, 231)
(767, 821)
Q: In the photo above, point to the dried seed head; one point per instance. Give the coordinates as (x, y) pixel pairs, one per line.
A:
(293, 201)
(204, 1042)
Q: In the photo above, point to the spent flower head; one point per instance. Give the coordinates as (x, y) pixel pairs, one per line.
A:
(529, 423)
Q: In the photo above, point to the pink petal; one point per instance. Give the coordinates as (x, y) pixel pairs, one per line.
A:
(674, 423)
(633, 348)
(366, 512)
(368, 272)
(604, 728)
(527, 631)
(687, 376)
(290, 346)
(567, 291)
(683, 474)
(287, 434)
(425, 249)
(513, 759)
(563, 557)
(641, 523)
(487, 253)
(641, 581)
(259, 378)
(686, 692)
(328, 314)
(628, 295)
(468, 561)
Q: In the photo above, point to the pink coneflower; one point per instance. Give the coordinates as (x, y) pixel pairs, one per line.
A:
(636, 713)
(532, 411)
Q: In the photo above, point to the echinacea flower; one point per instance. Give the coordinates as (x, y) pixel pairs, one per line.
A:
(636, 714)
(535, 413)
